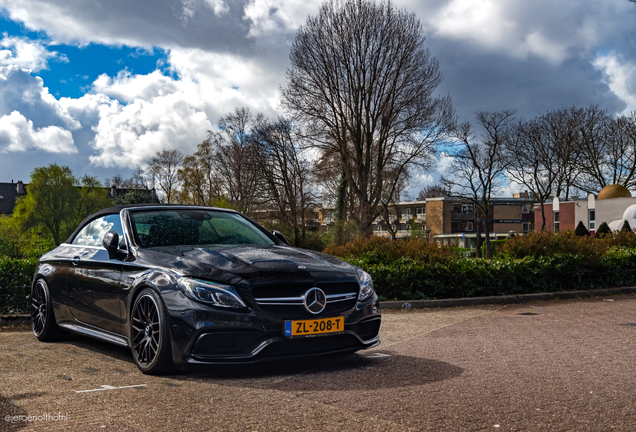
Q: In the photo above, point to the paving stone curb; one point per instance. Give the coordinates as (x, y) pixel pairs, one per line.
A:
(12, 317)
(507, 299)
(467, 301)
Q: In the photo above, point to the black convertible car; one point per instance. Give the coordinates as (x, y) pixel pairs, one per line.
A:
(187, 285)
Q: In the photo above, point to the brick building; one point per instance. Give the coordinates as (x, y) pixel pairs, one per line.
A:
(609, 206)
(451, 220)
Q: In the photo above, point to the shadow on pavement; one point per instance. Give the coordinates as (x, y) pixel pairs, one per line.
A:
(105, 348)
(342, 373)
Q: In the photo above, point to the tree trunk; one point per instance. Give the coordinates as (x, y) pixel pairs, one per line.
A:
(478, 232)
(366, 229)
(487, 232)
(341, 203)
(542, 216)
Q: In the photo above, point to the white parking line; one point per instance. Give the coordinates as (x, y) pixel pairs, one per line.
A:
(107, 387)
(377, 355)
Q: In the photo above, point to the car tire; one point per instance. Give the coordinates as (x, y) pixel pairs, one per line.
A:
(149, 334)
(43, 322)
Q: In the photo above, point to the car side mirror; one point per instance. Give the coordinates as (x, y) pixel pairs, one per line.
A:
(111, 243)
(280, 237)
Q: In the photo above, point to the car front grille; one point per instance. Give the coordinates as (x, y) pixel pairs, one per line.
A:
(290, 303)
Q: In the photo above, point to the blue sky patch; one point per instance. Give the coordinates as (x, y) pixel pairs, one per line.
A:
(85, 64)
(73, 78)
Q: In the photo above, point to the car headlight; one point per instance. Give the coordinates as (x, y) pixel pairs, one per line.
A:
(210, 292)
(366, 285)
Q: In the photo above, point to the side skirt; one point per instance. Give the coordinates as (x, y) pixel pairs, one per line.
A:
(96, 334)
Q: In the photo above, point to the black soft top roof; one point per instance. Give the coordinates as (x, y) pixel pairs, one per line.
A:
(116, 209)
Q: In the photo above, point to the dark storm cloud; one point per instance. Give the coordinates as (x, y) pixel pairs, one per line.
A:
(147, 23)
(486, 81)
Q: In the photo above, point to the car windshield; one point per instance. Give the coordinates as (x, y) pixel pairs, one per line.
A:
(194, 227)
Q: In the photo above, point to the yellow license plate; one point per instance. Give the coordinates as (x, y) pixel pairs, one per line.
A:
(312, 327)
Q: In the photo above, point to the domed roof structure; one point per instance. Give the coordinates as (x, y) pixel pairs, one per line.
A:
(614, 191)
(629, 215)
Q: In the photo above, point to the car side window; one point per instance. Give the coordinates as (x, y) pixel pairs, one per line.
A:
(93, 233)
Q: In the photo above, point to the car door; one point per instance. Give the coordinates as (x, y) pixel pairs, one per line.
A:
(96, 296)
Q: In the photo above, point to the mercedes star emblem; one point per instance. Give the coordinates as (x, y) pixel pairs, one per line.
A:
(315, 300)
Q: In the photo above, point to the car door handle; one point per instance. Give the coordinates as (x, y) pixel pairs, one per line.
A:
(75, 260)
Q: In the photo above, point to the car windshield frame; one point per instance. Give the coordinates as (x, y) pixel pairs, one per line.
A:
(256, 235)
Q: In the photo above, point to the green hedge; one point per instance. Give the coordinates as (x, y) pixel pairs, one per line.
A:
(15, 284)
(406, 279)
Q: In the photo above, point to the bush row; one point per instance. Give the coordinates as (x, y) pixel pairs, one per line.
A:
(407, 279)
(15, 284)
(382, 250)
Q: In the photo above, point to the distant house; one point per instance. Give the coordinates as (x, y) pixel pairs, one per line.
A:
(115, 192)
(9, 192)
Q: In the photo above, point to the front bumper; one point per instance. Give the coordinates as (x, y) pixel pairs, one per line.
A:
(212, 336)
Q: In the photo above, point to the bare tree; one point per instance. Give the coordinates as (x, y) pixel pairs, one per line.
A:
(361, 82)
(388, 208)
(479, 166)
(433, 191)
(200, 183)
(533, 162)
(165, 167)
(286, 173)
(328, 174)
(140, 179)
(547, 152)
(234, 156)
(563, 129)
(608, 150)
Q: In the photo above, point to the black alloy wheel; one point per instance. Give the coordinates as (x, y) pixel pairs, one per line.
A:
(42, 320)
(150, 340)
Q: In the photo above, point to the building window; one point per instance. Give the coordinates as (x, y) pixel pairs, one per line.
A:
(525, 209)
(461, 208)
(420, 211)
(556, 221)
(592, 220)
(525, 226)
(461, 226)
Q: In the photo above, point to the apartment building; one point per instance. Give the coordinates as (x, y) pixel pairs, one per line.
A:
(450, 220)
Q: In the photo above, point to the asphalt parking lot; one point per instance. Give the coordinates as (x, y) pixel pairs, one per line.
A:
(558, 365)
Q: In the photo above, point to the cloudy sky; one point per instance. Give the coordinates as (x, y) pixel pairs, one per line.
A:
(101, 86)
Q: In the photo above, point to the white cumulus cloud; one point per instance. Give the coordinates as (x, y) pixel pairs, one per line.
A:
(25, 53)
(18, 135)
(127, 87)
(620, 75)
(127, 135)
(269, 16)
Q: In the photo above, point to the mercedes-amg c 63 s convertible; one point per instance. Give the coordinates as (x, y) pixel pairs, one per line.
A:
(196, 285)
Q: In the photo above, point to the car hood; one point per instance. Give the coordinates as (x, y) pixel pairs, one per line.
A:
(261, 264)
